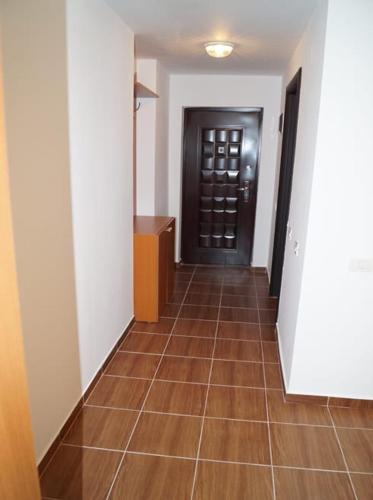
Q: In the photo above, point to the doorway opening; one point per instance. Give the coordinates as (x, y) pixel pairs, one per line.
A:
(220, 177)
(285, 181)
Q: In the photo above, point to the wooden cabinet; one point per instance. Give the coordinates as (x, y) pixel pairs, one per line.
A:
(154, 265)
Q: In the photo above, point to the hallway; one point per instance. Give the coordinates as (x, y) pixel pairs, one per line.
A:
(193, 407)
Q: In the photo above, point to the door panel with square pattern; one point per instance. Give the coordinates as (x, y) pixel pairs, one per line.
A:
(221, 149)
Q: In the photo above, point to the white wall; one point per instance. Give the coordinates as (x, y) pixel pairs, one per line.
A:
(161, 142)
(35, 83)
(228, 90)
(309, 56)
(100, 84)
(152, 140)
(333, 342)
(146, 125)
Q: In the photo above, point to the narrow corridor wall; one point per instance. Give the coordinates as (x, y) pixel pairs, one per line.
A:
(35, 84)
(100, 85)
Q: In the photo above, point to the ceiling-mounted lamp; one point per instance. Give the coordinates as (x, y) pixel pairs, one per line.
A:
(219, 49)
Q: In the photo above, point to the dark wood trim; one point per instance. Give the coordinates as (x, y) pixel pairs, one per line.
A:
(285, 181)
(66, 426)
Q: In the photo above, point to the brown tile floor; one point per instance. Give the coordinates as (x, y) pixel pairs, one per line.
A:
(192, 408)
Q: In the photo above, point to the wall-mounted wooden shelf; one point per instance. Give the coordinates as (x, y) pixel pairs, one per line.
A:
(143, 91)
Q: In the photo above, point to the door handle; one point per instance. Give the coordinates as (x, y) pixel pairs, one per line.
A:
(246, 191)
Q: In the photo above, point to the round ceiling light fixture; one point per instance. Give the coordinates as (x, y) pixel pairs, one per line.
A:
(219, 49)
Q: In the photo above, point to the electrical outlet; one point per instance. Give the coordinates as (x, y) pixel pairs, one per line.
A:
(361, 265)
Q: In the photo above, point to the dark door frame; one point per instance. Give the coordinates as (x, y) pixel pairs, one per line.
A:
(285, 180)
(240, 109)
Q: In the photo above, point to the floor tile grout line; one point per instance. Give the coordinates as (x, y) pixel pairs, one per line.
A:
(200, 319)
(342, 453)
(207, 394)
(255, 387)
(254, 464)
(202, 357)
(146, 396)
(211, 417)
(194, 337)
(267, 410)
(98, 448)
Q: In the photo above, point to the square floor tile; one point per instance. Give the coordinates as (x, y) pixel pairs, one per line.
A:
(207, 278)
(363, 485)
(270, 352)
(181, 287)
(184, 369)
(102, 428)
(202, 299)
(176, 397)
(204, 288)
(190, 346)
(144, 342)
(119, 392)
(262, 291)
(267, 303)
(239, 350)
(357, 447)
(76, 473)
(238, 301)
(239, 280)
(306, 446)
(295, 413)
(268, 333)
(239, 290)
(261, 280)
(352, 417)
(170, 310)
(127, 364)
(180, 276)
(146, 477)
(199, 312)
(236, 402)
(273, 376)
(268, 316)
(236, 314)
(195, 328)
(164, 326)
(235, 441)
(166, 435)
(176, 298)
(298, 484)
(237, 373)
(238, 331)
(232, 482)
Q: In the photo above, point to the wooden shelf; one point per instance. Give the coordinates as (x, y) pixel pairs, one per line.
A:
(144, 92)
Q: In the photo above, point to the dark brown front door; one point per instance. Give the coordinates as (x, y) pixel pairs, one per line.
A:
(221, 149)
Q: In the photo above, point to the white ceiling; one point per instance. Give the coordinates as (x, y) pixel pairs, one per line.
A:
(265, 32)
